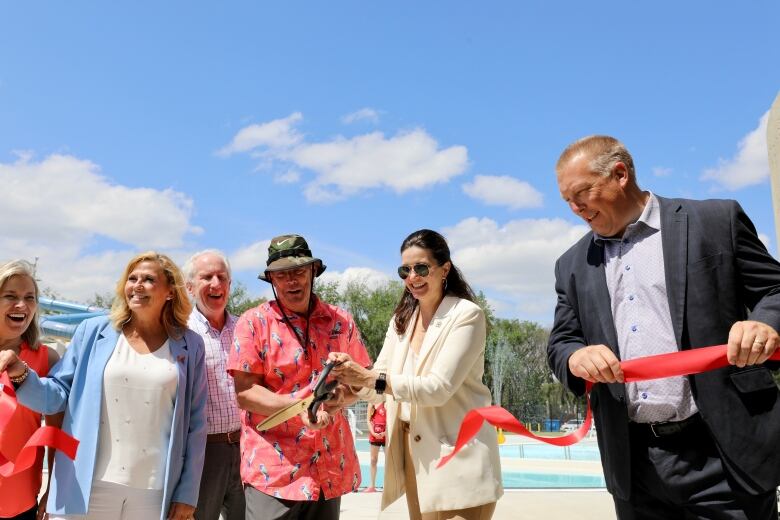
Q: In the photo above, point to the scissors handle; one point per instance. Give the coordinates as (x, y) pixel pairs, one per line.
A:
(323, 391)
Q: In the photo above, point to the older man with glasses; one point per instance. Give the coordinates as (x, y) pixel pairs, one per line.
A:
(300, 467)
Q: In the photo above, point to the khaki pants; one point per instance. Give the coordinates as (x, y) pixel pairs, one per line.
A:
(483, 512)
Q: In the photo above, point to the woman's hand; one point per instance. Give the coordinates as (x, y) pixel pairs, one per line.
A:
(11, 363)
(181, 511)
(350, 373)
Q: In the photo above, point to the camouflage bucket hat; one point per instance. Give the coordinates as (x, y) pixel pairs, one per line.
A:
(289, 252)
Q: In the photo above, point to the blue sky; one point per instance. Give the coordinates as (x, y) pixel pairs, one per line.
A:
(185, 125)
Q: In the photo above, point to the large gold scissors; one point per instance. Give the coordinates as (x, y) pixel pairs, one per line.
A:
(321, 393)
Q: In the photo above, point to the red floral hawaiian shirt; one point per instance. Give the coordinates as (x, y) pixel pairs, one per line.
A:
(289, 461)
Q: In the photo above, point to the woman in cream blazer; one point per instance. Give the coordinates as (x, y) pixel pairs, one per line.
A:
(430, 374)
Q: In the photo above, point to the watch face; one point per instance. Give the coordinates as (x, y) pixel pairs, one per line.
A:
(381, 383)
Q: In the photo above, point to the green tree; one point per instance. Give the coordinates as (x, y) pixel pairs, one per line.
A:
(103, 301)
(370, 308)
(240, 301)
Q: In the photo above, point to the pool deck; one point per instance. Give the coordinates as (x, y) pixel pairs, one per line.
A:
(516, 504)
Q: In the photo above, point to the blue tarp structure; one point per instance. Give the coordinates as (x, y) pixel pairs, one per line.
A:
(69, 315)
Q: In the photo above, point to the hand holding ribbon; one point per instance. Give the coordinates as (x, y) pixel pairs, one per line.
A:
(681, 363)
(43, 436)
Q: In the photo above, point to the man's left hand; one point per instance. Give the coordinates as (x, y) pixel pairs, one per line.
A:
(181, 511)
(751, 343)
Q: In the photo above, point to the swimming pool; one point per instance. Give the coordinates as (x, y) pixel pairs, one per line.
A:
(515, 479)
(581, 451)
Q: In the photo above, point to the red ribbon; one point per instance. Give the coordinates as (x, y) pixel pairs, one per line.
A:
(43, 436)
(681, 363)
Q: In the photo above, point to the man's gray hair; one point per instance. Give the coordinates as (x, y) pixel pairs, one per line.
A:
(604, 152)
(189, 270)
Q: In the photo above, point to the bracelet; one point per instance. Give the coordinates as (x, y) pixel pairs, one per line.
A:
(18, 380)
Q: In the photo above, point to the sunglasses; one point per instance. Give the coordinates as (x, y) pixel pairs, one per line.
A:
(420, 269)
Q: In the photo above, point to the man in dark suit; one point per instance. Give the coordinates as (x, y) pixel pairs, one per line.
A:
(659, 275)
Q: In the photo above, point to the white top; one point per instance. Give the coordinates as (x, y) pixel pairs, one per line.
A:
(410, 364)
(136, 416)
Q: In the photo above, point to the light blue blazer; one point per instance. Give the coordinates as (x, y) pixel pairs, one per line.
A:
(75, 385)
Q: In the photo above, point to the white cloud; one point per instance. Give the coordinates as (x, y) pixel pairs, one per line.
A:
(58, 207)
(763, 237)
(365, 275)
(343, 167)
(514, 262)
(364, 114)
(66, 200)
(288, 177)
(661, 171)
(748, 167)
(279, 133)
(251, 257)
(503, 191)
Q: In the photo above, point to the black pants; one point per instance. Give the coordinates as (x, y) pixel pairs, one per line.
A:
(221, 489)
(260, 506)
(681, 477)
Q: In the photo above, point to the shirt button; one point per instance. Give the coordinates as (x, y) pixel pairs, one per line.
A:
(644, 395)
(628, 268)
(417, 438)
(633, 328)
(631, 297)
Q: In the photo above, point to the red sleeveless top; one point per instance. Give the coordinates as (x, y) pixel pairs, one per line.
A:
(20, 492)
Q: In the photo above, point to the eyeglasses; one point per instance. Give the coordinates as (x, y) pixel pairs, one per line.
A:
(289, 274)
(422, 270)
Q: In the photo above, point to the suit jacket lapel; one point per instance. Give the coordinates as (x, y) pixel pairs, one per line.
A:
(597, 286)
(105, 346)
(180, 355)
(674, 239)
(438, 323)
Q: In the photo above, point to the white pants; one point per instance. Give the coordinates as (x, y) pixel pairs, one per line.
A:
(109, 501)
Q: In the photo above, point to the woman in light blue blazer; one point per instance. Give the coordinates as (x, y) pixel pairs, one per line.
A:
(133, 388)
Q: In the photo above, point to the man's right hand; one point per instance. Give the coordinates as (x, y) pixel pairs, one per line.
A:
(597, 364)
(323, 419)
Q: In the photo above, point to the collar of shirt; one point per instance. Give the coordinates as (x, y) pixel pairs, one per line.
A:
(320, 310)
(650, 218)
(198, 316)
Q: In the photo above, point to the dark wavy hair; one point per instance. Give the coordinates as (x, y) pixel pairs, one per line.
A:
(456, 285)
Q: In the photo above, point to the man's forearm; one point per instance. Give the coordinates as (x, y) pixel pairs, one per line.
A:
(258, 399)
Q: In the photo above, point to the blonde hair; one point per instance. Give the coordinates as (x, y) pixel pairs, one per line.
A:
(176, 311)
(604, 152)
(23, 268)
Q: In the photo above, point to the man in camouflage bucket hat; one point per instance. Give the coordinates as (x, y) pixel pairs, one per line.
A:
(289, 252)
(296, 469)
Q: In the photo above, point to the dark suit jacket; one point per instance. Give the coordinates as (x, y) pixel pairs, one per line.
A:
(717, 272)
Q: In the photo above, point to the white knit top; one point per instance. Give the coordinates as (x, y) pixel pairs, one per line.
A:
(136, 416)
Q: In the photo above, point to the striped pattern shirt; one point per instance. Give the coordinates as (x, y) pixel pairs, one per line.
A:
(222, 414)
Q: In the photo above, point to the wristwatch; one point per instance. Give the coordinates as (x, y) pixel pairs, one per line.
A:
(381, 383)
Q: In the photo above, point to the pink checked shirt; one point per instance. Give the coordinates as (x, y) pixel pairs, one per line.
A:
(289, 461)
(222, 413)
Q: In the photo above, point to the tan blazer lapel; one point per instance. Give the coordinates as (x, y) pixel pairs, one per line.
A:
(402, 347)
(438, 323)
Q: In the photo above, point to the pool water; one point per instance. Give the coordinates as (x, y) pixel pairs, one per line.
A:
(513, 479)
(581, 451)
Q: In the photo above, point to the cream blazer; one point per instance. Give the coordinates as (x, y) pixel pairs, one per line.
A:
(446, 385)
